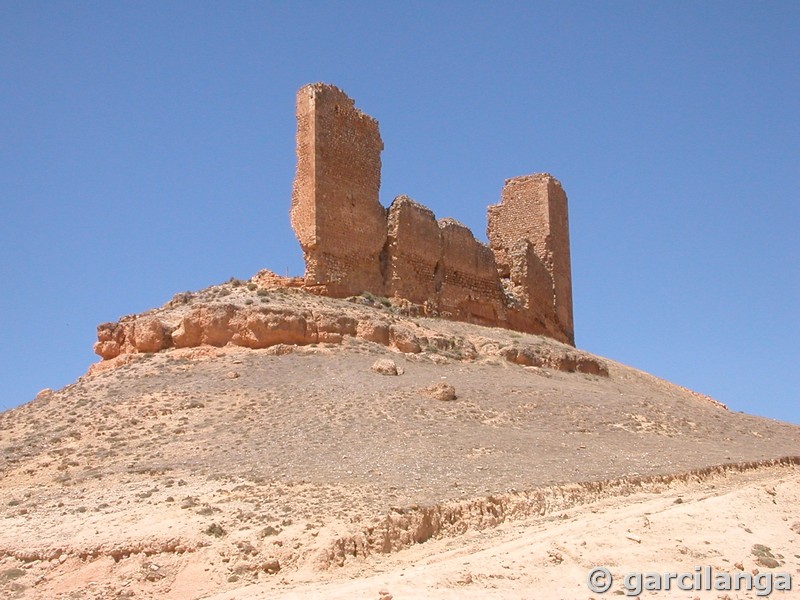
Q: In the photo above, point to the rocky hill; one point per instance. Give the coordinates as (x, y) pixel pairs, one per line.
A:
(253, 434)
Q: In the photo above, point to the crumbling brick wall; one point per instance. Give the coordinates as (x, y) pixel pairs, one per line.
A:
(335, 211)
(440, 265)
(471, 289)
(529, 289)
(414, 250)
(353, 245)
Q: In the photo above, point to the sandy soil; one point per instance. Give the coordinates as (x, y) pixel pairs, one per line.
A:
(718, 520)
(300, 472)
(716, 523)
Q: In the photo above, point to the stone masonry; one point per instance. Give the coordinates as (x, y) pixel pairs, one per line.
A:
(533, 209)
(352, 244)
(335, 210)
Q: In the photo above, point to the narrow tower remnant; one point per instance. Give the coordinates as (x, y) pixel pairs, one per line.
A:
(335, 210)
(533, 213)
(352, 244)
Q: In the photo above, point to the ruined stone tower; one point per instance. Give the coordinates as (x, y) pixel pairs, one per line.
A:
(533, 212)
(335, 211)
(351, 244)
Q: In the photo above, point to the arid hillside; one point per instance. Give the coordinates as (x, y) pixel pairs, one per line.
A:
(266, 449)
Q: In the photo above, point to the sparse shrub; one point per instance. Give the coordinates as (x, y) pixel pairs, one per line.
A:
(235, 282)
(181, 298)
(224, 292)
(373, 300)
(263, 292)
(215, 529)
(269, 530)
(251, 286)
(248, 301)
(188, 502)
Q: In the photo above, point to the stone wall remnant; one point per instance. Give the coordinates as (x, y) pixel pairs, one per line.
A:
(335, 211)
(414, 251)
(471, 289)
(352, 245)
(440, 265)
(533, 208)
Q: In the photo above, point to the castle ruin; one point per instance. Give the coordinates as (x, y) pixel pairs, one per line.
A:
(352, 244)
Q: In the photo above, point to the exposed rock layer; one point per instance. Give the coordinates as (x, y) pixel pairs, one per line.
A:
(220, 324)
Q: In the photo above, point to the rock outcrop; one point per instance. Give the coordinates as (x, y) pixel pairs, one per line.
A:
(209, 321)
(441, 391)
(385, 366)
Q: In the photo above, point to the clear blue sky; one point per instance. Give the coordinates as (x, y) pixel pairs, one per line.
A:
(147, 148)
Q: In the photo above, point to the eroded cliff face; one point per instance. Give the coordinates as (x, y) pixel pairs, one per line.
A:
(272, 314)
(351, 244)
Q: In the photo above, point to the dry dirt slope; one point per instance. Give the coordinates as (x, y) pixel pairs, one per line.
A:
(193, 471)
